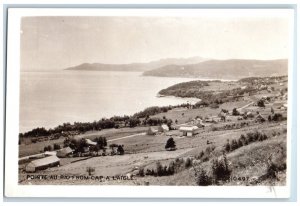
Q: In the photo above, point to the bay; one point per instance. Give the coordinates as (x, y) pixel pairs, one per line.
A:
(48, 99)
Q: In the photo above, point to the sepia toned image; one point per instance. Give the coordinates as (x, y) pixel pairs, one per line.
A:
(161, 100)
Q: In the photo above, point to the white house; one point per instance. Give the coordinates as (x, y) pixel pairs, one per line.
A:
(64, 152)
(188, 130)
(163, 128)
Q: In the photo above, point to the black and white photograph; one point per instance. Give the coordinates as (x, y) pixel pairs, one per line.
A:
(196, 97)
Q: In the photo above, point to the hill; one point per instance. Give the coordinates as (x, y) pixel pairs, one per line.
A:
(224, 69)
(137, 66)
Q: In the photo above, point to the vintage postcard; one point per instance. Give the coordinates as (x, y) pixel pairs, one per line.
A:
(197, 100)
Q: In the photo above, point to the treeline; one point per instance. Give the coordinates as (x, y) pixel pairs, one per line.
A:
(266, 80)
(140, 118)
(209, 98)
(245, 140)
(191, 86)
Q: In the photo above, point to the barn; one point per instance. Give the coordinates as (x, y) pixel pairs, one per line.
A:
(41, 164)
(64, 152)
(188, 130)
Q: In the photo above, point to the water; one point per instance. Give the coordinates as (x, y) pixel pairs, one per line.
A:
(48, 99)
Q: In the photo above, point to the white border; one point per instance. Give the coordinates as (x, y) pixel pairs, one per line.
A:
(12, 189)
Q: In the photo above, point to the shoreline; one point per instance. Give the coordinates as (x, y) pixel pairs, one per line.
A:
(188, 100)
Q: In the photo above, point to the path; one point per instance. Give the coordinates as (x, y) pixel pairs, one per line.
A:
(129, 136)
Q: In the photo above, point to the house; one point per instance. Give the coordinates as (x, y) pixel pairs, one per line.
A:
(209, 119)
(163, 128)
(188, 130)
(260, 118)
(250, 114)
(279, 105)
(200, 125)
(151, 131)
(64, 152)
(43, 163)
(90, 142)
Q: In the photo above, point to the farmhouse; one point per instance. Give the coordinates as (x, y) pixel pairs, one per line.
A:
(43, 163)
(163, 128)
(90, 142)
(188, 130)
(64, 152)
(260, 118)
(250, 114)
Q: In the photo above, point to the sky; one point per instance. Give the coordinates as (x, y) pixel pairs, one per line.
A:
(54, 43)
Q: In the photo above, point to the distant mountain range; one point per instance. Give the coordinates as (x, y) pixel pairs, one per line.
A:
(224, 69)
(197, 67)
(137, 66)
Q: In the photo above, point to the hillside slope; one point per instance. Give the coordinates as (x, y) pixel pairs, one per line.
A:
(137, 66)
(224, 69)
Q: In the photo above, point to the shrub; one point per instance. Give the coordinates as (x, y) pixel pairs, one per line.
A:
(235, 112)
(170, 144)
(171, 168)
(90, 170)
(188, 163)
(141, 172)
(56, 146)
(159, 169)
(227, 146)
(261, 103)
(234, 145)
(101, 142)
(34, 140)
(277, 117)
(240, 143)
(120, 150)
(201, 154)
(220, 169)
(47, 148)
(202, 179)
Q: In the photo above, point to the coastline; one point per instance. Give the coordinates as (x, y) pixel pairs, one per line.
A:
(188, 100)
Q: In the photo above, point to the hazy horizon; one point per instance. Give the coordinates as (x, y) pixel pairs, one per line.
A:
(55, 43)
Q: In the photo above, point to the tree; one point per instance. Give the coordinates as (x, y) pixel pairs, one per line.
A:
(133, 122)
(90, 170)
(272, 110)
(82, 144)
(170, 144)
(101, 142)
(120, 150)
(227, 146)
(261, 103)
(235, 112)
(141, 172)
(188, 163)
(234, 145)
(56, 146)
(47, 148)
(159, 169)
(202, 179)
(171, 168)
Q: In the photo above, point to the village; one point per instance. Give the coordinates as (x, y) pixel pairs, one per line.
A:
(162, 153)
